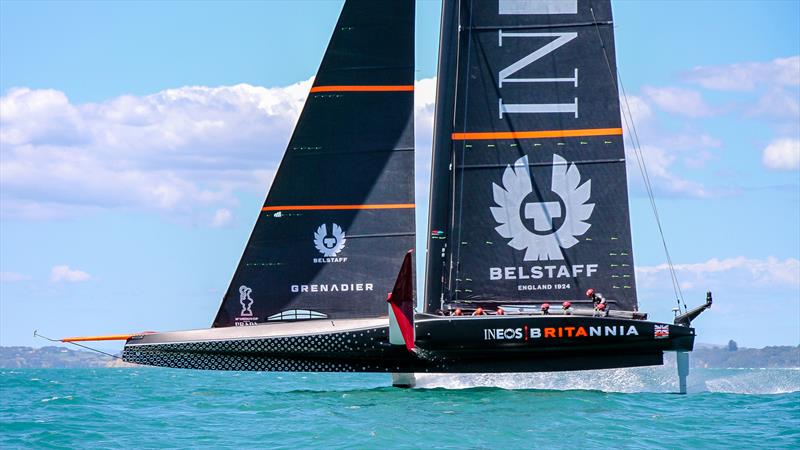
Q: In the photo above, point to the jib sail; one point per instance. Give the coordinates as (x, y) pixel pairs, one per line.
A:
(340, 213)
(529, 198)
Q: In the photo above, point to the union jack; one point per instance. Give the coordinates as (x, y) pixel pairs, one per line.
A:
(662, 331)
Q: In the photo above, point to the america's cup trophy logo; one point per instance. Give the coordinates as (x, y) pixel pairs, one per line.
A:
(545, 241)
(329, 245)
(245, 301)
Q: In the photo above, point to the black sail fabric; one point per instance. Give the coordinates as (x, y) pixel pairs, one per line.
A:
(339, 216)
(537, 202)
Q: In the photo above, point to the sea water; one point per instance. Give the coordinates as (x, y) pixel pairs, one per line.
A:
(621, 408)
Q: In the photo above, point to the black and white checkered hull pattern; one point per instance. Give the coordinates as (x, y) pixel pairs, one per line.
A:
(361, 346)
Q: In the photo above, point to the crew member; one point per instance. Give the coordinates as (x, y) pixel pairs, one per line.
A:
(478, 312)
(566, 308)
(597, 298)
(545, 309)
(458, 312)
(500, 311)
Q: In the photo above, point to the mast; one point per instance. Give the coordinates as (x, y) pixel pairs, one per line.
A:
(439, 200)
(339, 216)
(529, 197)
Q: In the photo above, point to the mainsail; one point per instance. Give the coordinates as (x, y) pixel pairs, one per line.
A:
(339, 216)
(528, 194)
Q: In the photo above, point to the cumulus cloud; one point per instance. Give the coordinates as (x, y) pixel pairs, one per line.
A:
(679, 101)
(777, 103)
(222, 217)
(782, 154)
(424, 105)
(64, 273)
(638, 108)
(739, 271)
(13, 277)
(659, 169)
(747, 76)
(179, 149)
(776, 84)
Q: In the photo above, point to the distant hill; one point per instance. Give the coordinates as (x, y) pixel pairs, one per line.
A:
(52, 357)
(767, 357)
(705, 355)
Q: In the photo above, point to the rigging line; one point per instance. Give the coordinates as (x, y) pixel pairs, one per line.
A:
(673, 273)
(637, 148)
(36, 334)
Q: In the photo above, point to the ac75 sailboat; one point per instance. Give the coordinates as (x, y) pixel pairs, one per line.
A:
(528, 207)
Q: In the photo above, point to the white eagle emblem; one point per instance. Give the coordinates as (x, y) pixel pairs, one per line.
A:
(517, 186)
(329, 246)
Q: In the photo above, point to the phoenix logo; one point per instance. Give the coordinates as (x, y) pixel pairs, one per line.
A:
(546, 242)
(331, 245)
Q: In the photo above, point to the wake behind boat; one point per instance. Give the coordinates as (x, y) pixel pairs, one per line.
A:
(528, 208)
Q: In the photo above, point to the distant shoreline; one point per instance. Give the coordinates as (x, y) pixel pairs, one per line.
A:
(704, 356)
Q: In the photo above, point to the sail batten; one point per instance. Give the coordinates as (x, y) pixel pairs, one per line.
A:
(490, 135)
(363, 88)
(336, 207)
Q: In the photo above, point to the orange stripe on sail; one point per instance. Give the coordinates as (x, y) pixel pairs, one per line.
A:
(537, 134)
(401, 88)
(337, 207)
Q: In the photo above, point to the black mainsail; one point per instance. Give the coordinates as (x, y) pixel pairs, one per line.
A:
(529, 198)
(340, 213)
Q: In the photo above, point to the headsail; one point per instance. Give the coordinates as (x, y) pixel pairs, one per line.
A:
(529, 197)
(340, 213)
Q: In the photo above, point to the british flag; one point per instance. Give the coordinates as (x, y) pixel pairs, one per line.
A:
(661, 331)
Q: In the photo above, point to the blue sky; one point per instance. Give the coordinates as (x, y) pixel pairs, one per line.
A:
(138, 140)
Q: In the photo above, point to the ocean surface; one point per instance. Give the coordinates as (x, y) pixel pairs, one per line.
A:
(620, 408)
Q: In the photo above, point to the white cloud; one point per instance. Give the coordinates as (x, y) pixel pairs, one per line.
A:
(13, 277)
(777, 103)
(659, 164)
(179, 149)
(739, 270)
(639, 110)
(782, 154)
(64, 273)
(747, 76)
(424, 105)
(680, 101)
(222, 217)
(186, 149)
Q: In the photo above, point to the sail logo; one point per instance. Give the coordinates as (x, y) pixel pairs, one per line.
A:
(555, 40)
(246, 315)
(329, 245)
(533, 333)
(545, 242)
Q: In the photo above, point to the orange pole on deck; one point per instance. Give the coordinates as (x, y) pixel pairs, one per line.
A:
(111, 337)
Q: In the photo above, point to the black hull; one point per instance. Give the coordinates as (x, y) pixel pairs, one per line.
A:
(488, 344)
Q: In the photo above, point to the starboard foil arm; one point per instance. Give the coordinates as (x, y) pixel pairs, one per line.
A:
(686, 318)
